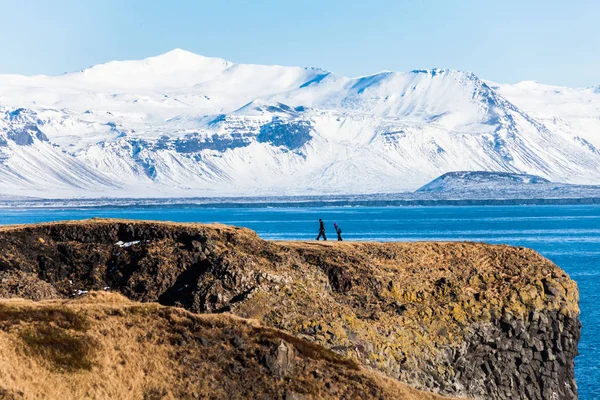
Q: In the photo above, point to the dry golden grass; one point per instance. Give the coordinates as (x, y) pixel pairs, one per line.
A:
(104, 346)
(400, 308)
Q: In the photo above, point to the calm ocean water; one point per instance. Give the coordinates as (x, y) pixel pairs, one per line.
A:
(568, 235)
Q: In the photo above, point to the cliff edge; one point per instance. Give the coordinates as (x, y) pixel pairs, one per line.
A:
(458, 319)
(104, 346)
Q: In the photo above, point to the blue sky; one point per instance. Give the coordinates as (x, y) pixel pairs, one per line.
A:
(551, 41)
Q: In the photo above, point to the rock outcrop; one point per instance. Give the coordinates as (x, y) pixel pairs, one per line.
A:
(459, 319)
(103, 346)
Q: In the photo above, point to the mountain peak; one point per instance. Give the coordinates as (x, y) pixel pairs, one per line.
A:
(179, 51)
(444, 72)
(173, 68)
(180, 55)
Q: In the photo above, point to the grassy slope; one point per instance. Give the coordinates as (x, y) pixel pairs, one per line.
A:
(104, 346)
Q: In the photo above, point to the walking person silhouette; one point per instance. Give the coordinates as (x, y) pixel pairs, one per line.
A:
(338, 230)
(321, 230)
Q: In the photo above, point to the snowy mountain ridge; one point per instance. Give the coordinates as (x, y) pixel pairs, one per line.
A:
(460, 180)
(181, 124)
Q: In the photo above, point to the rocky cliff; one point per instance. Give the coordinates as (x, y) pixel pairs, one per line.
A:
(460, 319)
(103, 346)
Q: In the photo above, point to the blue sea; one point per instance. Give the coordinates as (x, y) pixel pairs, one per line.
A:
(568, 235)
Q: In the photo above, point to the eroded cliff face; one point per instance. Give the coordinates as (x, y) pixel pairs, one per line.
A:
(103, 346)
(461, 319)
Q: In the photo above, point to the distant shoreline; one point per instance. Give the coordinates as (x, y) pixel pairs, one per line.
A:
(287, 202)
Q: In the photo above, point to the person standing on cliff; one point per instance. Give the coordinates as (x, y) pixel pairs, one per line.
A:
(321, 230)
(338, 230)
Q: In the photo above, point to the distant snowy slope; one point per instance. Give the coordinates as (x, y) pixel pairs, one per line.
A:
(181, 124)
(175, 69)
(448, 98)
(157, 86)
(484, 185)
(479, 179)
(573, 112)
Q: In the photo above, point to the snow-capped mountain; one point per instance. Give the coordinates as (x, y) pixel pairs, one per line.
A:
(486, 187)
(480, 180)
(181, 124)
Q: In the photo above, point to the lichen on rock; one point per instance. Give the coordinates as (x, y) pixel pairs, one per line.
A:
(460, 319)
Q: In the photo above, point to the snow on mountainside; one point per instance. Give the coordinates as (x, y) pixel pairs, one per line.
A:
(181, 124)
(574, 112)
(459, 180)
(484, 185)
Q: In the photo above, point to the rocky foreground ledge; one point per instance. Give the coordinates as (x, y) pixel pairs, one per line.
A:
(458, 319)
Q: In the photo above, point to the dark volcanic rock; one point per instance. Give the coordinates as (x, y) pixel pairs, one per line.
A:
(292, 135)
(194, 144)
(463, 319)
(103, 346)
